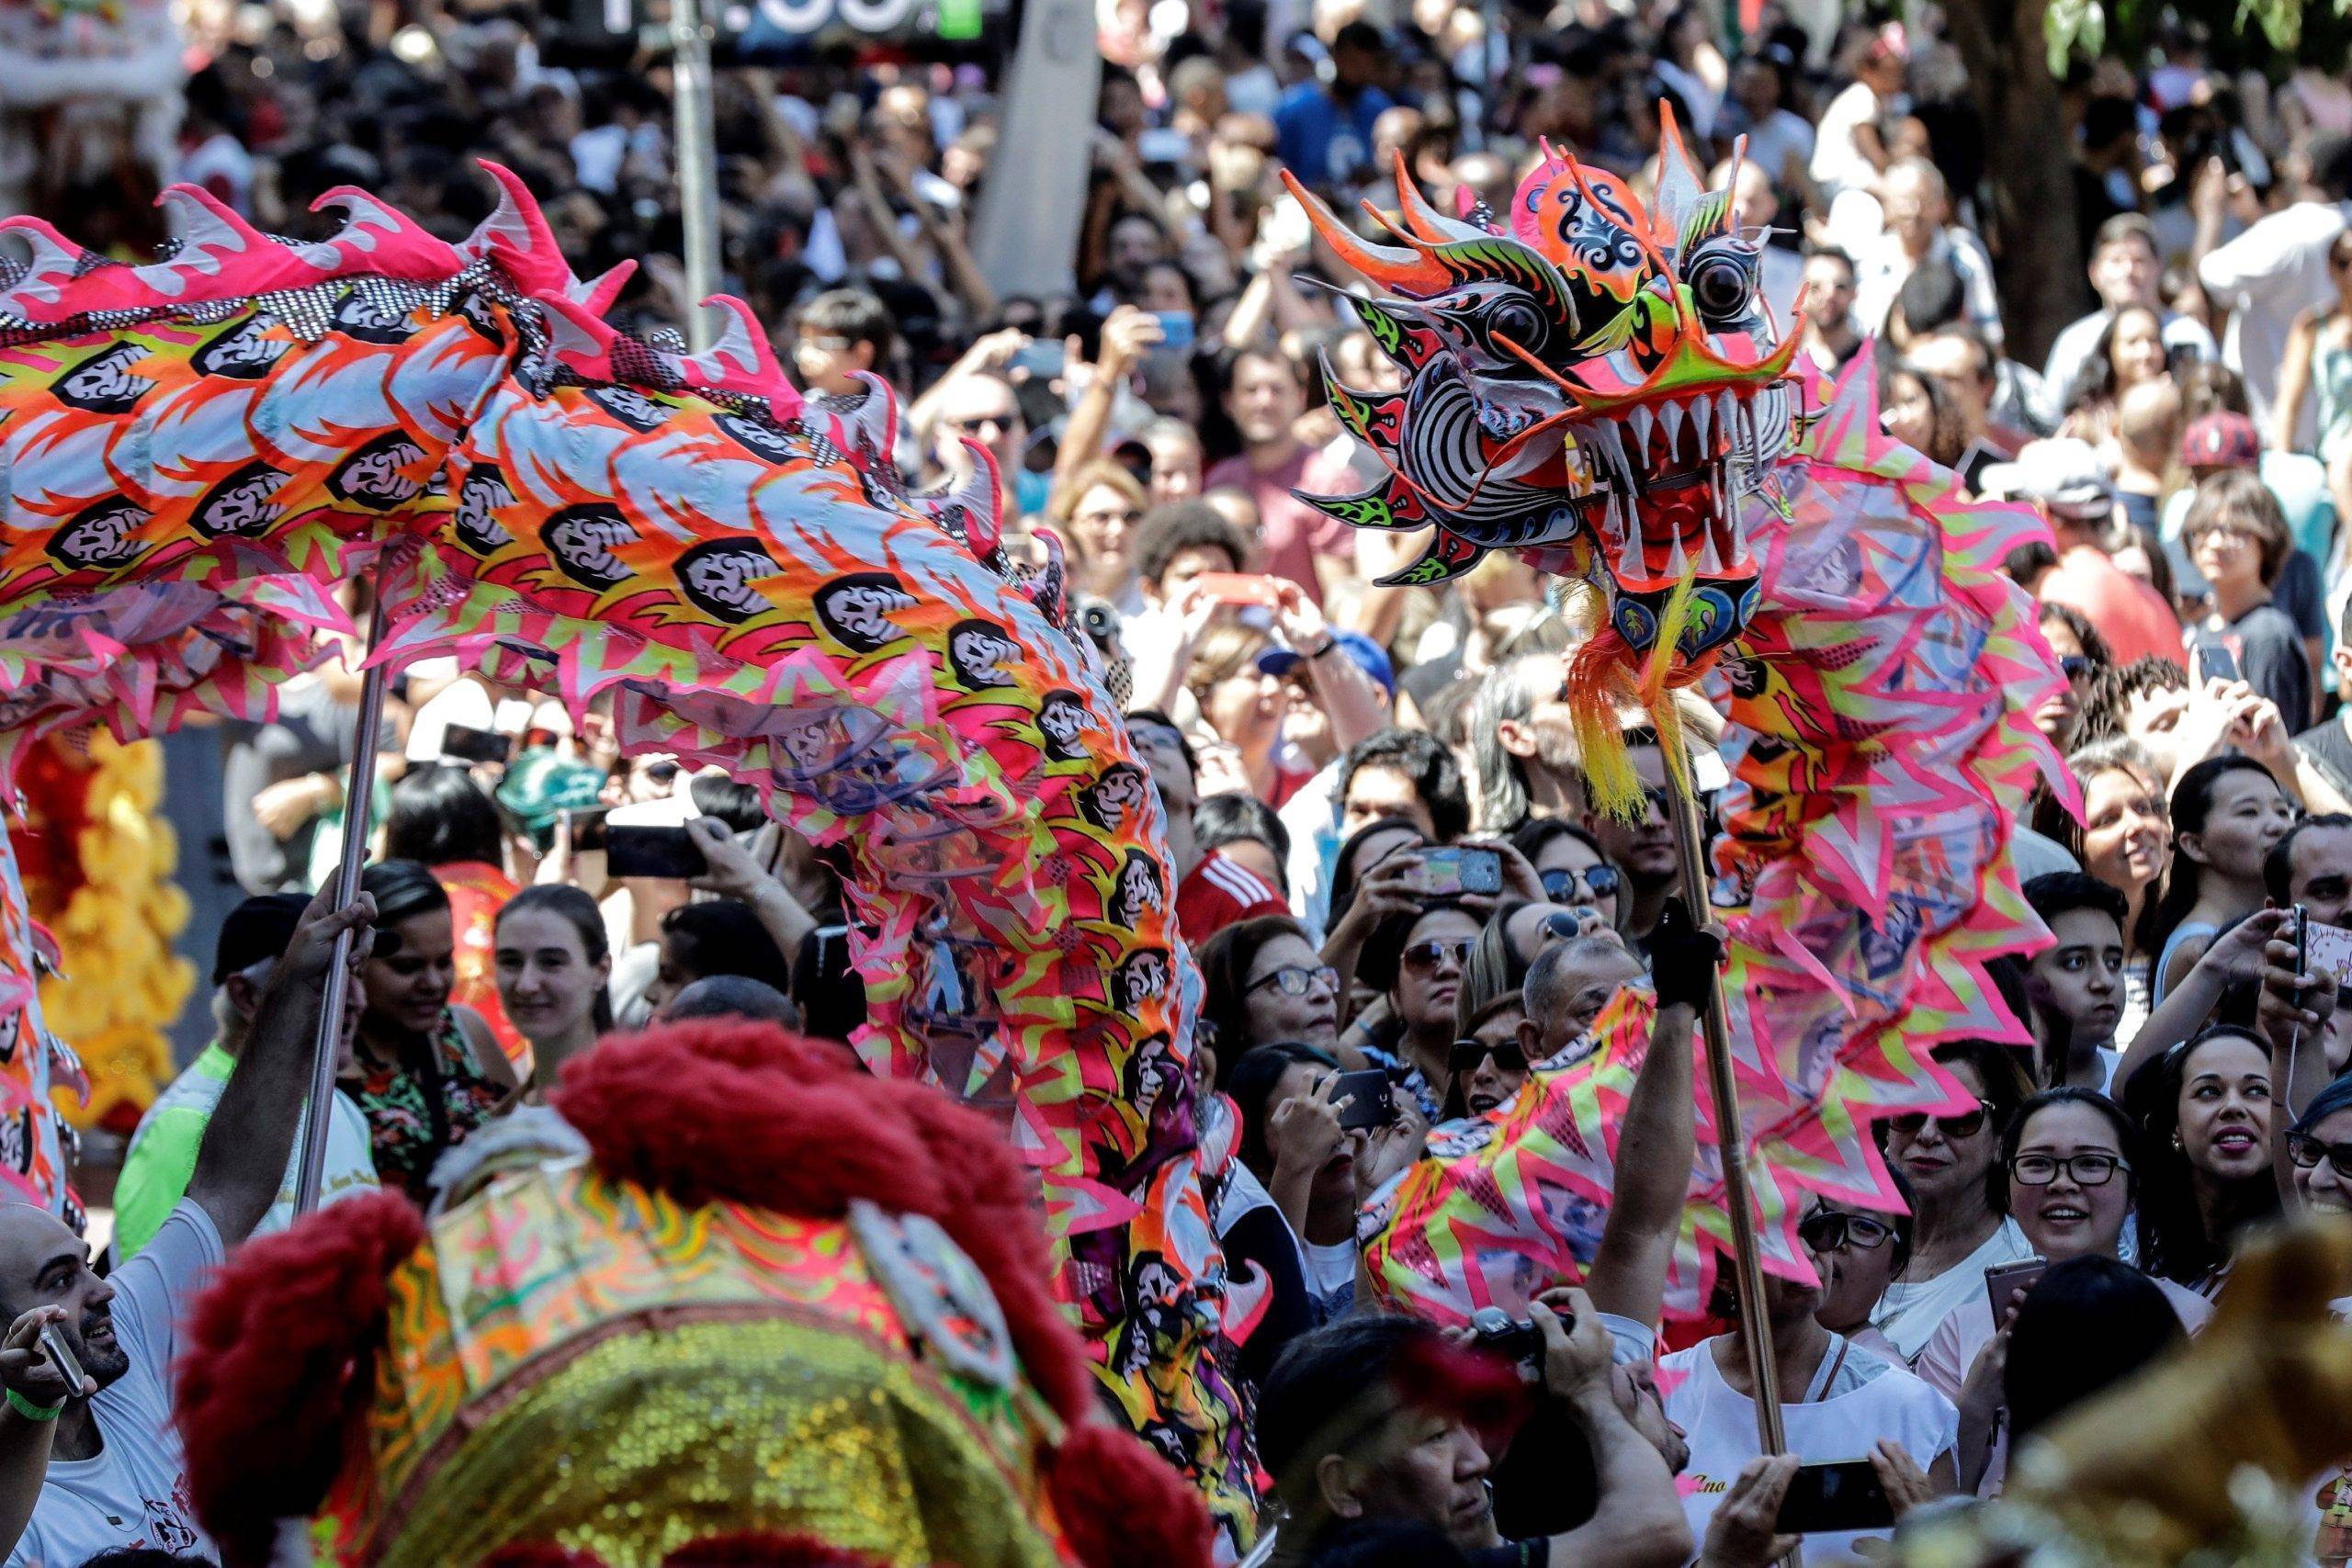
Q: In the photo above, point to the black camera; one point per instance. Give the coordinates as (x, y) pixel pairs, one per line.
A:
(1515, 1339)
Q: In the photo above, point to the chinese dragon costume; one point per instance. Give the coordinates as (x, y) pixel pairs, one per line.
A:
(1595, 383)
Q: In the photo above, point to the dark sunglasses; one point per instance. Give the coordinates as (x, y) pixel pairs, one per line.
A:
(2306, 1152)
(1430, 954)
(1298, 979)
(1466, 1054)
(660, 772)
(1828, 1230)
(1595, 881)
(2074, 665)
(1967, 1124)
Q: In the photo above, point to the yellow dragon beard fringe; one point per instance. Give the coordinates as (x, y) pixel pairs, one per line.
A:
(1605, 678)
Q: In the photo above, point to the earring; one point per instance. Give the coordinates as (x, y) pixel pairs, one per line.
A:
(2176, 1144)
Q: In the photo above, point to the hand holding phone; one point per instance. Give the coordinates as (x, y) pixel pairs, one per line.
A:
(2215, 662)
(1237, 588)
(470, 745)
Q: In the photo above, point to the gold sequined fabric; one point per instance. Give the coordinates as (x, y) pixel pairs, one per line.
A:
(582, 1361)
(647, 1441)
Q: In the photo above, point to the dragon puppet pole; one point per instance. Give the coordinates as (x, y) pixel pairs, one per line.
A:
(359, 801)
(1756, 1329)
(697, 162)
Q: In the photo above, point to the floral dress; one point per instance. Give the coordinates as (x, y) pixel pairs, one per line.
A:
(431, 1099)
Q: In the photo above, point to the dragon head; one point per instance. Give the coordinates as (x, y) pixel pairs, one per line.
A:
(1599, 386)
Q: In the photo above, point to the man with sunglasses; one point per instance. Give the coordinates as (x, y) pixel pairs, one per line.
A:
(1645, 848)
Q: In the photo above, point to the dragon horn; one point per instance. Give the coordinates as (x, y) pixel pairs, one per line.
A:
(1406, 271)
(56, 261)
(1678, 188)
(390, 241)
(209, 226)
(516, 234)
(743, 360)
(598, 293)
(1423, 219)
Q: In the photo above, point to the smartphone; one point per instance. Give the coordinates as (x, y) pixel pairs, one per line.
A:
(669, 853)
(585, 828)
(2215, 662)
(1461, 869)
(2327, 950)
(2005, 1280)
(1369, 1104)
(1175, 328)
(1845, 1496)
(1043, 357)
(54, 1345)
(1237, 588)
(470, 745)
(1163, 144)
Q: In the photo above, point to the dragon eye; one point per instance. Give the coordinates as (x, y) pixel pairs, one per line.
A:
(1519, 321)
(1723, 284)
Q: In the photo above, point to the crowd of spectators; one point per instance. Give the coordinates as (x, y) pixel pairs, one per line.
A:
(1324, 744)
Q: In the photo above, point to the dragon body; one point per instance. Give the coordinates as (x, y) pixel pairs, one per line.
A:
(1599, 386)
(736, 573)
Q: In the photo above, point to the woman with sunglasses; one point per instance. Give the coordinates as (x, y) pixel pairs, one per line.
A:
(1514, 936)
(1957, 1233)
(2081, 651)
(1838, 1401)
(1574, 871)
(2205, 1114)
(1263, 983)
(1488, 1063)
(1864, 1250)
(2226, 813)
(1415, 959)
(2067, 1175)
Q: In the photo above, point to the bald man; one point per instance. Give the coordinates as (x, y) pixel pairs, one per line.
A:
(117, 1478)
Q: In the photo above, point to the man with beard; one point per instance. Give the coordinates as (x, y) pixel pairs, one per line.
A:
(117, 1478)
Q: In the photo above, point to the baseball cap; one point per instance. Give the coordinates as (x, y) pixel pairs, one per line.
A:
(2221, 440)
(2061, 474)
(1363, 652)
(259, 927)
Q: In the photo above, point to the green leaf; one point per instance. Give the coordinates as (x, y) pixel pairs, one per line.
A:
(2070, 24)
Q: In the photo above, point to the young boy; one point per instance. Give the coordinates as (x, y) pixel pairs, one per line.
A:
(2076, 984)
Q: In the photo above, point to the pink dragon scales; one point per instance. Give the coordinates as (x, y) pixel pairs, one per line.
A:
(1599, 386)
(736, 573)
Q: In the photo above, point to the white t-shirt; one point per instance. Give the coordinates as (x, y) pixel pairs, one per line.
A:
(1866, 1399)
(135, 1493)
(1911, 1310)
(2265, 278)
(1837, 163)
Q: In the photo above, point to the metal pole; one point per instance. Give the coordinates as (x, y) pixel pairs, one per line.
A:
(358, 805)
(1756, 1331)
(697, 162)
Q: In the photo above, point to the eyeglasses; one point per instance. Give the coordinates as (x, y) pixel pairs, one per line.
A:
(1582, 886)
(1298, 979)
(1967, 1124)
(1430, 954)
(2074, 665)
(1466, 1054)
(1832, 1230)
(2306, 1152)
(830, 344)
(660, 772)
(1560, 925)
(1000, 422)
(2083, 1170)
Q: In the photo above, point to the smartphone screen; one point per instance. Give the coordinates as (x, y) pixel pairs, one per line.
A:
(1468, 869)
(1823, 1497)
(1368, 1102)
(669, 853)
(2328, 950)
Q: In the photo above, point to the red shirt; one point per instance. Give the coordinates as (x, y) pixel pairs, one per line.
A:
(1218, 892)
(2129, 615)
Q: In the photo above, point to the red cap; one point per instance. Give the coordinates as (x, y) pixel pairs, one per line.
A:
(2221, 440)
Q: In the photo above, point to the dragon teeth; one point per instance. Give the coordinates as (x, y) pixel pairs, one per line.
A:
(1669, 414)
(1642, 422)
(1703, 412)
